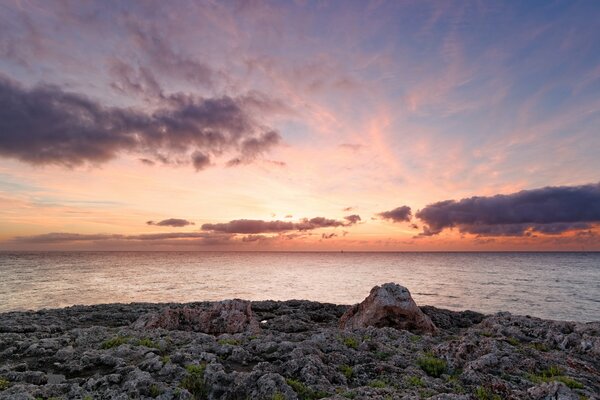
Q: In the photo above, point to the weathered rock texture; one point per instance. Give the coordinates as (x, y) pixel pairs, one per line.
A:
(97, 352)
(228, 316)
(389, 305)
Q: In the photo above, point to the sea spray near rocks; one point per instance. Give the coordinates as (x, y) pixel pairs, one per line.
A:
(105, 352)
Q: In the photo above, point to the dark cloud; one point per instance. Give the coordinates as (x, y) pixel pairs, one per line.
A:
(250, 226)
(251, 148)
(348, 209)
(200, 160)
(399, 214)
(131, 80)
(45, 125)
(61, 237)
(549, 210)
(256, 226)
(162, 56)
(353, 219)
(175, 222)
(328, 235)
(146, 161)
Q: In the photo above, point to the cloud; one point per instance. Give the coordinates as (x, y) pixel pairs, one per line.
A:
(398, 214)
(256, 226)
(250, 226)
(549, 210)
(175, 222)
(61, 237)
(46, 125)
(353, 219)
(328, 235)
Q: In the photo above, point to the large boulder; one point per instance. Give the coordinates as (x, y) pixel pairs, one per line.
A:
(388, 305)
(228, 316)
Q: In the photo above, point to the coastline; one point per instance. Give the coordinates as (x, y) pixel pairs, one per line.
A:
(299, 352)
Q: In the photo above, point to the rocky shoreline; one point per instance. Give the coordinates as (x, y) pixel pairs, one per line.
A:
(294, 349)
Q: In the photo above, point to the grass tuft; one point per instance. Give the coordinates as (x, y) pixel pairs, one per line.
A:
(432, 365)
(193, 382)
(115, 342)
(304, 392)
(347, 371)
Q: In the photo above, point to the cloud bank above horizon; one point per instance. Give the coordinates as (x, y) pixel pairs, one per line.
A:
(231, 125)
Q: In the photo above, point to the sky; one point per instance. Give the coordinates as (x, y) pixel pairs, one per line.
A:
(300, 125)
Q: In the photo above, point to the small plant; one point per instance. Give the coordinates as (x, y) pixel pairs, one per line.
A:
(230, 342)
(351, 342)
(569, 382)
(349, 395)
(415, 381)
(483, 393)
(486, 334)
(115, 342)
(540, 346)
(194, 381)
(4, 383)
(347, 371)
(383, 355)
(165, 359)
(155, 390)
(148, 343)
(554, 373)
(377, 383)
(415, 338)
(432, 365)
(304, 392)
(278, 396)
(88, 398)
(513, 341)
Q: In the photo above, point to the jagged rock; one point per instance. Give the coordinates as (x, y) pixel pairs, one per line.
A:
(552, 391)
(388, 305)
(228, 316)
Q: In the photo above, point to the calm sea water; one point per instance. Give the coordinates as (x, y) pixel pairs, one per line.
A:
(548, 285)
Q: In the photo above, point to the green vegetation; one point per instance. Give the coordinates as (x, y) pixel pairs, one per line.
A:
(148, 343)
(155, 390)
(4, 383)
(377, 383)
(194, 381)
(554, 373)
(513, 341)
(304, 392)
(230, 342)
(347, 371)
(383, 355)
(88, 398)
(415, 381)
(483, 393)
(540, 346)
(486, 334)
(415, 338)
(349, 395)
(115, 342)
(351, 342)
(432, 365)
(278, 396)
(165, 359)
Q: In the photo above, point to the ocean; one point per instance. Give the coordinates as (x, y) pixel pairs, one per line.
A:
(564, 286)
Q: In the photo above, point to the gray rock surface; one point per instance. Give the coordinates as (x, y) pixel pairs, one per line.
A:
(99, 352)
(227, 316)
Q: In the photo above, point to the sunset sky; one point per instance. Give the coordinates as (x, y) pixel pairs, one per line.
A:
(306, 125)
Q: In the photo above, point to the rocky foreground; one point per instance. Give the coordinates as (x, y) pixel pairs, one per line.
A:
(384, 348)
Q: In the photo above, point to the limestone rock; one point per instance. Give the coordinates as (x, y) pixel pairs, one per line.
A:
(388, 305)
(228, 316)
